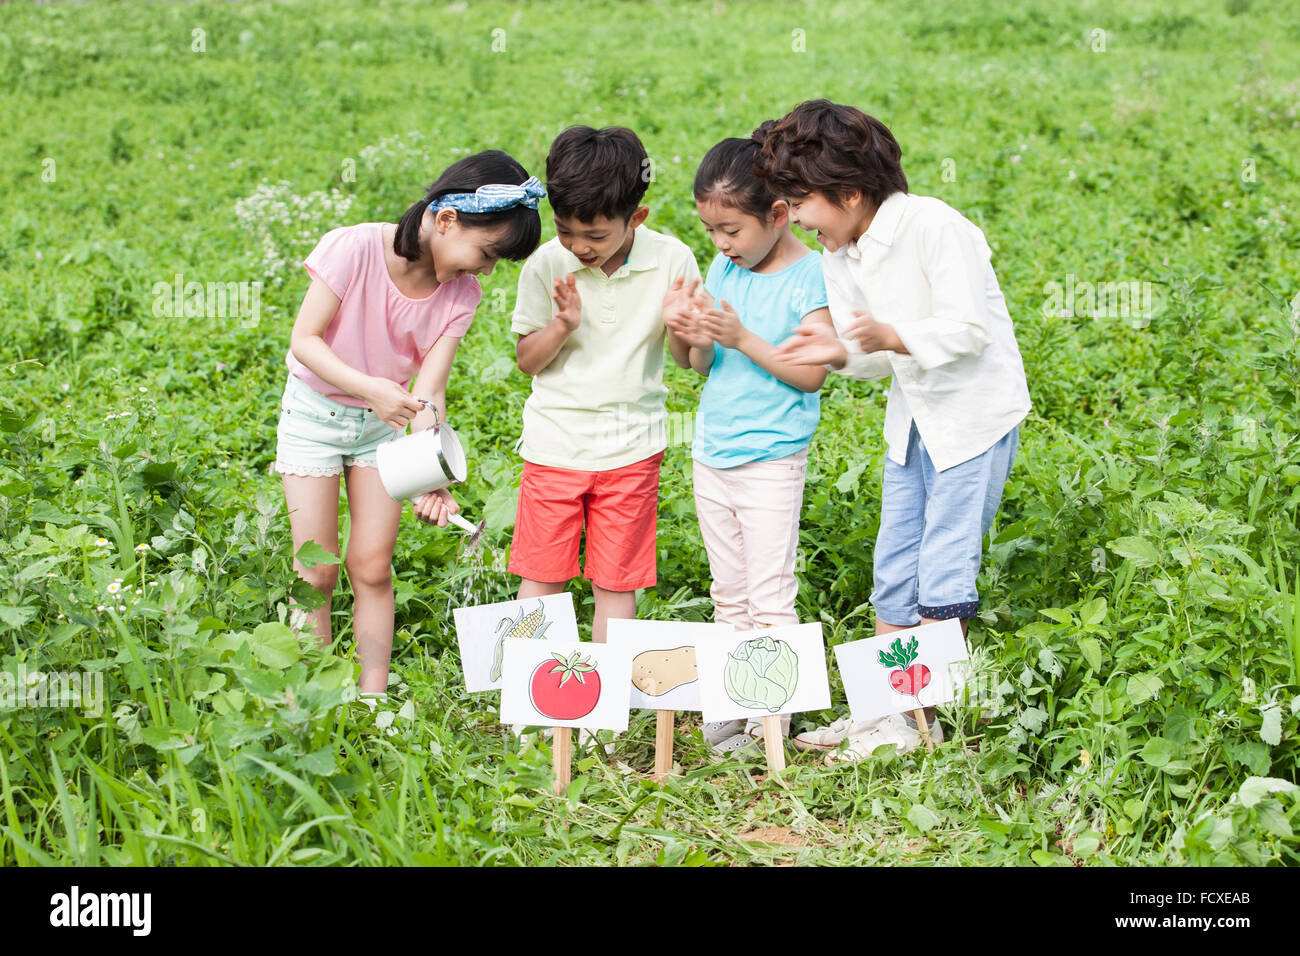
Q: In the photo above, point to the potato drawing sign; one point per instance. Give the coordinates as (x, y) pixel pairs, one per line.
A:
(565, 684)
(902, 670)
(665, 671)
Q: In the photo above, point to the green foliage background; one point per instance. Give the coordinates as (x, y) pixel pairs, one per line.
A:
(1138, 654)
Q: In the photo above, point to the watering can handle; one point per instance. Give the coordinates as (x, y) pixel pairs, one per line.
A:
(430, 406)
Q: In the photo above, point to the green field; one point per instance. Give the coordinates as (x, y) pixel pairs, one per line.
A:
(1135, 171)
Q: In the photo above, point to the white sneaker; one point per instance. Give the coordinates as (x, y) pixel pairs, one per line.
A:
(827, 738)
(881, 733)
(715, 732)
(936, 732)
(585, 738)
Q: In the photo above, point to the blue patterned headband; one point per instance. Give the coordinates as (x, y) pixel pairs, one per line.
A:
(493, 197)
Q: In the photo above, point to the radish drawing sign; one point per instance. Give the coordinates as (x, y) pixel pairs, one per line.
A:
(763, 673)
(565, 684)
(484, 630)
(902, 670)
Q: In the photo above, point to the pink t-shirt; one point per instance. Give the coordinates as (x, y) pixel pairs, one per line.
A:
(377, 329)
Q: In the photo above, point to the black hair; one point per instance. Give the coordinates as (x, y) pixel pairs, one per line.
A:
(596, 172)
(523, 225)
(829, 148)
(727, 174)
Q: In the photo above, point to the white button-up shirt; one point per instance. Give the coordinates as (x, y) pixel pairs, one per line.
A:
(925, 269)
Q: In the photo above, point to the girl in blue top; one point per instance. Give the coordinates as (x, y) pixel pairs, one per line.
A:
(757, 414)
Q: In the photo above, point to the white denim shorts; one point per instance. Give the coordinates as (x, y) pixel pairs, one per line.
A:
(318, 436)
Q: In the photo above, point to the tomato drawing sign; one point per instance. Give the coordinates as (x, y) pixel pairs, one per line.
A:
(902, 670)
(565, 684)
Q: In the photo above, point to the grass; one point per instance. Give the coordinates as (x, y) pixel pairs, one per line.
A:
(1139, 648)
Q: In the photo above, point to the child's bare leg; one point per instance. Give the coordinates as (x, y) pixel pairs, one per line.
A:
(532, 589)
(884, 628)
(610, 604)
(314, 516)
(375, 519)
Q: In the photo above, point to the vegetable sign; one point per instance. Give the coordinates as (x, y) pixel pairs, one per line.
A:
(484, 630)
(551, 692)
(665, 672)
(911, 680)
(569, 684)
(764, 673)
(902, 670)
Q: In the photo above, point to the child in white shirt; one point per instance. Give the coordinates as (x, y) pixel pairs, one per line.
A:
(912, 295)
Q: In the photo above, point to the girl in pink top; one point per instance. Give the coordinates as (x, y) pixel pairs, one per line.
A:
(387, 304)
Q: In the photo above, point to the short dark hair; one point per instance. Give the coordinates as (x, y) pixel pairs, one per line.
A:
(828, 148)
(596, 172)
(727, 175)
(523, 225)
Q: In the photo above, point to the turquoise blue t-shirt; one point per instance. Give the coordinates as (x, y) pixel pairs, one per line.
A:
(746, 414)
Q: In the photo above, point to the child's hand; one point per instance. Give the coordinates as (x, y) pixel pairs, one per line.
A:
(873, 336)
(568, 304)
(723, 324)
(679, 300)
(813, 345)
(690, 331)
(394, 404)
(434, 507)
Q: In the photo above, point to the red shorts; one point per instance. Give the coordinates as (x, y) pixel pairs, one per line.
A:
(620, 509)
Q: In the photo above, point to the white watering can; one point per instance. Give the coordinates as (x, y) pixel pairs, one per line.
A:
(413, 465)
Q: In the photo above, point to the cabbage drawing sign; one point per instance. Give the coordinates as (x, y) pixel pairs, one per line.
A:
(763, 673)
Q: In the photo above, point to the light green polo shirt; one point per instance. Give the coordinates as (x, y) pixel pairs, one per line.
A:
(599, 405)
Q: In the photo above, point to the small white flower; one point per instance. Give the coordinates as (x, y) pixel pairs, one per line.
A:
(100, 542)
(143, 388)
(139, 591)
(121, 607)
(51, 575)
(1016, 158)
(114, 588)
(65, 386)
(100, 608)
(142, 547)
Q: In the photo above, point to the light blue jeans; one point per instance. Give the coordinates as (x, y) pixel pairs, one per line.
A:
(932, 526)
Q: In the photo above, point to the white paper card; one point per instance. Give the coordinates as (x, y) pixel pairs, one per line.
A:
(665, 674)
(483, 630)
(752, 674)
(902, 670)
(566, 684)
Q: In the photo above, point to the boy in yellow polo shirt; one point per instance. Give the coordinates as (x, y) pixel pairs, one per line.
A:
(589, 316)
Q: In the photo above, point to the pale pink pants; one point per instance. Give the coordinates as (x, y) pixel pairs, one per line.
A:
(749, 520)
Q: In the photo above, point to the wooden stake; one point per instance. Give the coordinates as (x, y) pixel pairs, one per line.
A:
(562, 758)
(923, 725)
(664, 720)
(774, 744)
